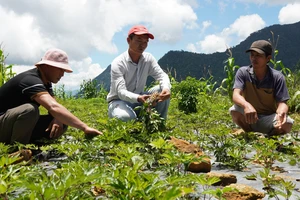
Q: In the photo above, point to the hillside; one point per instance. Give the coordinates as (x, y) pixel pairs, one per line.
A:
(203, 65)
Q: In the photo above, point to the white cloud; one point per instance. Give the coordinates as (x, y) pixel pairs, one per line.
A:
(205, 25)
(239, 30)
(21, 68)
(193, 3)
(168, 18)
(269, 2)
(20, 37)
(86, 70)
(191, 47)
(222, 6)
(211, 44)
(289, 14)
(244, 26)
(81, 27)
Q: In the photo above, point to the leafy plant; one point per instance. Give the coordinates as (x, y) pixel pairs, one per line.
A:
(6, 72)
(148, 115)
(61, 93)
(71, 181)
(9, 176)
(219, 192)
(266, 153)
(88, 89)
(230, 69)
(187, 92)
(276, 186)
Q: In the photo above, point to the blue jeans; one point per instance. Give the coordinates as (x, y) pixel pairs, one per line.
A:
(124, 110)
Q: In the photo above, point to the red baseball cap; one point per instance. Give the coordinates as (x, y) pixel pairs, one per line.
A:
(140, 30)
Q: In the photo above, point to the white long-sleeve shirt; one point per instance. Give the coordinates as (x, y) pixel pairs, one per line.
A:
(128, 79)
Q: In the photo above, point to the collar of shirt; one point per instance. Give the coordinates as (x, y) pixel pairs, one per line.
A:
(128, 58)
(252, 74)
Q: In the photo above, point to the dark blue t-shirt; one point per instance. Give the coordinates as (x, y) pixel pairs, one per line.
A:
(262, 95)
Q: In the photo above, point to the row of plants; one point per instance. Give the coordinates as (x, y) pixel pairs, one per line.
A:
(128, 162)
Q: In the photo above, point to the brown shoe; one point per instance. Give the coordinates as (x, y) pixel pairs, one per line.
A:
(22, 155)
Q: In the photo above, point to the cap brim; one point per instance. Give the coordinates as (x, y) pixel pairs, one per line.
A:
(144, 33)
(65, 67)
(256, 50)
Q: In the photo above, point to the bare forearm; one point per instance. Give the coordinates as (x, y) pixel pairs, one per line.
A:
(240, 100)
(282, 108)
(60, 113)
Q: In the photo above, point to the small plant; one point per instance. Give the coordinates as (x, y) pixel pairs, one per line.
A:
(61, 93)
(88, 89)
(237, 156)
(6, 72)
(187, 92)
(230, 151)
(9, 176)
(219, 192)
(292, 81)
(149, 116)
(230, 69)
(266, 152)
(276, 186)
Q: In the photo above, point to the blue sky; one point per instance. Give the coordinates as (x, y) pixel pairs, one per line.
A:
(93, 32)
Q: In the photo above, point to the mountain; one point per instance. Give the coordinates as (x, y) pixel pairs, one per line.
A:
(182, 63)
(103, 79)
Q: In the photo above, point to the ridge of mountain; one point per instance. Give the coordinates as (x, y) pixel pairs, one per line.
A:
(183, 63)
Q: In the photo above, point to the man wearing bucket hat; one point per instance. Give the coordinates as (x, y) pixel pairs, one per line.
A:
(260, 94)
(129, 72)
(21, 96)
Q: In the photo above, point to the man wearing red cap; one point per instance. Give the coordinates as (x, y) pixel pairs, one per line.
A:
(260, 94)
(21, 96)
(129, 72)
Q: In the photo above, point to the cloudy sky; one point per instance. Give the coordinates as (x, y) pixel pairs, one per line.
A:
(93, 32)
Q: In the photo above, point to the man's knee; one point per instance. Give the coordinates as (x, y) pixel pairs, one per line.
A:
(122, 111)
(122, 115)
(125, 117)
(236, 116)
(30, 111)
(286, 128)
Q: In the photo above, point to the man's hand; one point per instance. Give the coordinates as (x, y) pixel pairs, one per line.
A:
(56, 129)
(250, 114)
(92, 132)
(280, 119)
(143, 98)
(164, 95)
